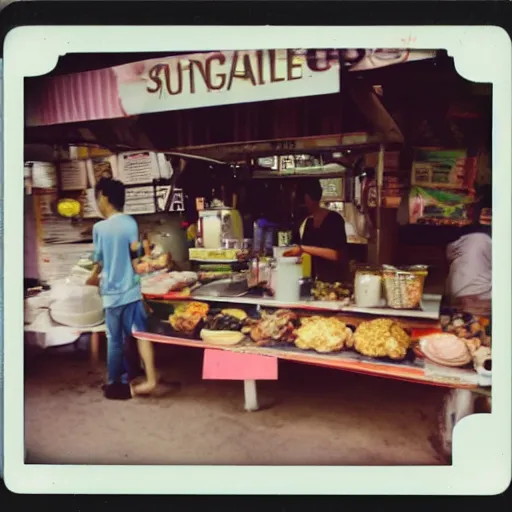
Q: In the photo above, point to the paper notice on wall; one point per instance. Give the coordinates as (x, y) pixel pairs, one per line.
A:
(56, 262)
(73, 175)
(137, 168)
(42, 174)
(101, 167)
(178, 201)
(165, 166)
(162, 197)
(91, 210)
(139, 200)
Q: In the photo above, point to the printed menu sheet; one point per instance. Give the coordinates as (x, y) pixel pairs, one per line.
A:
(139, 200)
(138, 168)
(73, 175)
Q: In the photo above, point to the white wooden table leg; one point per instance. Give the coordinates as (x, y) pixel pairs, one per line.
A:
(457, 404)
(95, 348)
(251, 396)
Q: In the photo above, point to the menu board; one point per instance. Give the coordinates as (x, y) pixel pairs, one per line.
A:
(138, 168)
(73, 175)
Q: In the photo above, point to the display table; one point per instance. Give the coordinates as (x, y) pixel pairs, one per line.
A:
(418, 372)
(62, 335)
(458, 402)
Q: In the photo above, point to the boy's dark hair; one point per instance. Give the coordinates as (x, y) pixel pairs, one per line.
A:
(311, 187)
(113, 190)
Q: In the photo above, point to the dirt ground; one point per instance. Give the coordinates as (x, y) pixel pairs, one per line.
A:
(311, 416)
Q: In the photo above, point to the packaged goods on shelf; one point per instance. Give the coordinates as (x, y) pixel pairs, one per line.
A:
(201, 254)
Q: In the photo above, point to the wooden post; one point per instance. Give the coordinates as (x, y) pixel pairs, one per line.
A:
(380, 181)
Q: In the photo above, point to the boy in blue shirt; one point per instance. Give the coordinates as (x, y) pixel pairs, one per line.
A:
(115, 238)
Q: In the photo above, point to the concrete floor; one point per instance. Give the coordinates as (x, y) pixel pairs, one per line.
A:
(313, 416)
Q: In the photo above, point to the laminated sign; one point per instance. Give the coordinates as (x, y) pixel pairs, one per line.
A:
(438, 207)
(451, 169)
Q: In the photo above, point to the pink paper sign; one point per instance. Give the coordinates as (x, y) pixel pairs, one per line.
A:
(226, 365)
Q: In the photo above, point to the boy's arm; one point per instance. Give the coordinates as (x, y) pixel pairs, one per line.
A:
(94, 278)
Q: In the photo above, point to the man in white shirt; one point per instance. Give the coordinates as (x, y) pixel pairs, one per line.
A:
(469, 282)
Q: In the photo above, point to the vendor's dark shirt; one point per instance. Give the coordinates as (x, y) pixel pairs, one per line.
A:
(329, 235)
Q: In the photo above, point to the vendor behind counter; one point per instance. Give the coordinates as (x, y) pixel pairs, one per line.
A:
(469, 283)
(322, 236)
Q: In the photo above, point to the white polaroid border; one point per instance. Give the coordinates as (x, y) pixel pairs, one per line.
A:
(482, 54)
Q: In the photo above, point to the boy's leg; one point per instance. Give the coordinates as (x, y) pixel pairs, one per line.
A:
(135, 319)
(115, 388)
(147, 354)
(133, 360)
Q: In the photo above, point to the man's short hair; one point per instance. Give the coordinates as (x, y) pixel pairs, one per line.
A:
(485, 196)
(311, 187)
(113, 190)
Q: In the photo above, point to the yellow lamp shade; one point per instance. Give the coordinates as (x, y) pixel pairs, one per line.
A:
(69, 208)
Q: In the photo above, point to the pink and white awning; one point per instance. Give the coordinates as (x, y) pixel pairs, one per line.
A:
(198, 80)
(86, 96)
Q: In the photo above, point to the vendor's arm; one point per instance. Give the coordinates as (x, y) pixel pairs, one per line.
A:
(334, 244)
(319, 252)
(322, 252)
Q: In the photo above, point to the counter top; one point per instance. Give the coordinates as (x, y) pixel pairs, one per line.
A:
(430, 306)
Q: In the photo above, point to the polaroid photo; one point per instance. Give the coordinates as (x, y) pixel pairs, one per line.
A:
(343, 422)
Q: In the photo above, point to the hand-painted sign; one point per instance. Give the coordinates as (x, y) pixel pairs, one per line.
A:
(221, 78)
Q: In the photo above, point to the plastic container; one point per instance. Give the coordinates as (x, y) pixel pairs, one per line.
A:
(404, 287)
(368, 289)
(287, 280)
